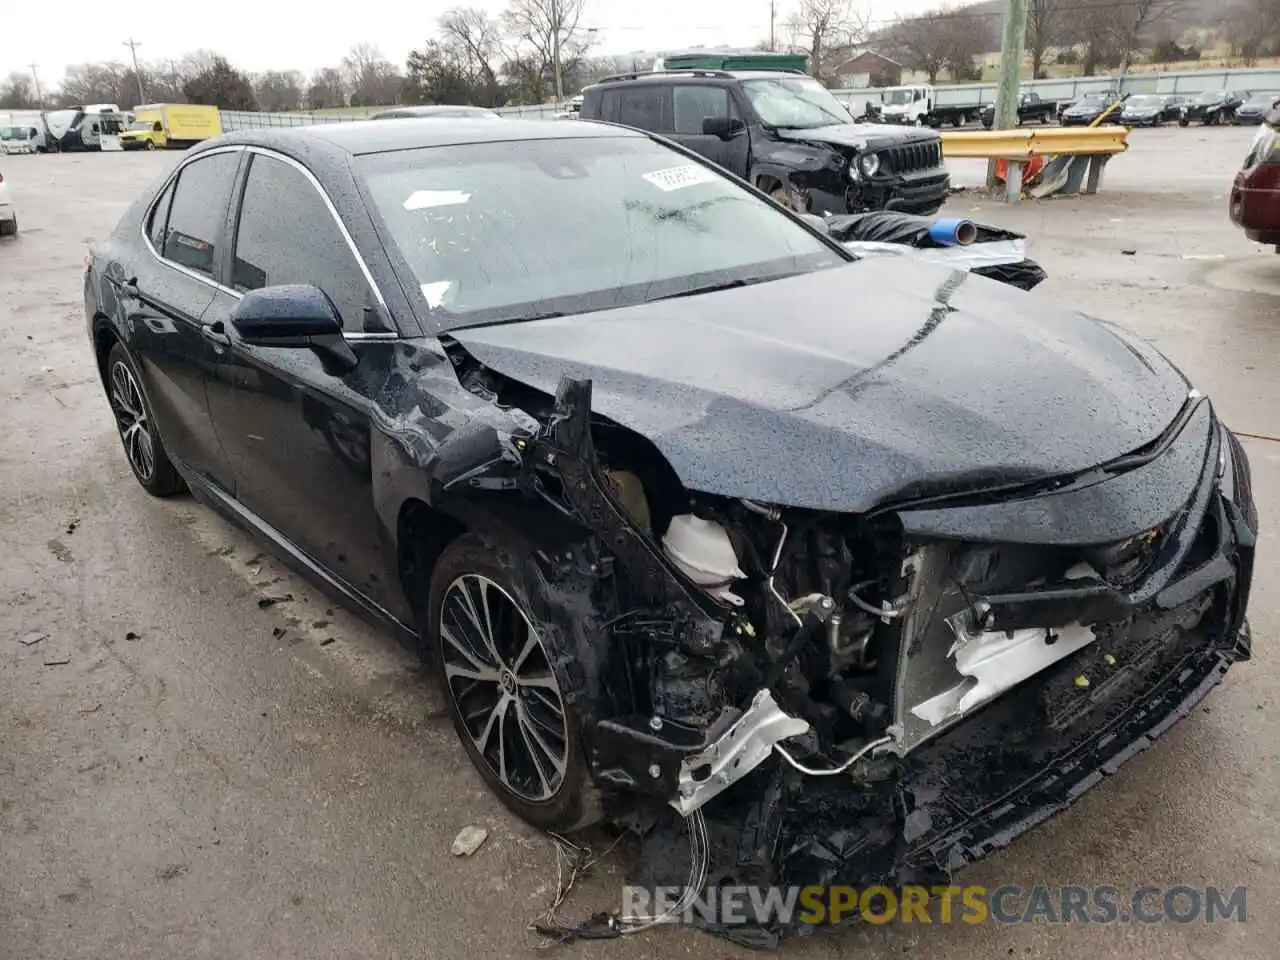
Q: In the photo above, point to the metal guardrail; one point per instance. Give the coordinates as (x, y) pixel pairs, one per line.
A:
(1023, 144)
(1081, 154)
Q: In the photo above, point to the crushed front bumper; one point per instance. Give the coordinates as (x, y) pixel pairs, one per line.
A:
(914, 816)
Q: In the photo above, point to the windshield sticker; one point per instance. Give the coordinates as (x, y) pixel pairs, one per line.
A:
(677, 178)
(435, 291)
(425, 199)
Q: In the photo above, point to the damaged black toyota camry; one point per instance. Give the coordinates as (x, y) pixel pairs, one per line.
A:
(859, 567)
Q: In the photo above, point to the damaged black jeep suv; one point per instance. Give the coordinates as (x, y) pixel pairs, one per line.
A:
(868, 564)
(784, 133)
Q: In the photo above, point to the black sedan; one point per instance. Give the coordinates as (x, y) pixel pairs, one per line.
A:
(1255, 110)
(1213, 107)
(1089, 108)
(1149, 110)
(689, 508)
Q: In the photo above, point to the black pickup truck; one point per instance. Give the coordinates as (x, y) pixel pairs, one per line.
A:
(785, 134)
(1031, 109)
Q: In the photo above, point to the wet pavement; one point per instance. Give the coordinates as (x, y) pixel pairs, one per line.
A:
(183, 773)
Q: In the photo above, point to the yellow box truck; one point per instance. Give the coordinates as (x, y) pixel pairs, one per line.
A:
(159, 125)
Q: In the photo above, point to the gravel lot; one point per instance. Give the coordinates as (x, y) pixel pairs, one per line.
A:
(191, 782)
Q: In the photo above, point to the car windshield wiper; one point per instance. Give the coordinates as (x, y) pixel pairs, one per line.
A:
(724, 285)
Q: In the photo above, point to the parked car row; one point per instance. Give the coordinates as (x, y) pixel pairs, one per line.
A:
(1212, 107)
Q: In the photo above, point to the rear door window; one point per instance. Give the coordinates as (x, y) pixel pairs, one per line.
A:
(645, 106)
(198, 211)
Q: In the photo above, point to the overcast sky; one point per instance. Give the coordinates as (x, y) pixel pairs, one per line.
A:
(260, 35)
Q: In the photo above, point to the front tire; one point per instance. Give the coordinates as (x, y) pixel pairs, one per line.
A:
(500, 637)
(142, 444)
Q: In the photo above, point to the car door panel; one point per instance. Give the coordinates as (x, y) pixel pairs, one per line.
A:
(167, 303)
(298, 438)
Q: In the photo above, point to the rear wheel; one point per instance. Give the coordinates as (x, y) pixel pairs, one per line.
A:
(499, 636)
(150, 145)
(142, 444)
(9, 228)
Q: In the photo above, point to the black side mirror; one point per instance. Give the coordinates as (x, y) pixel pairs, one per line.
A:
(285, 316)
(295, 315)
(726, 128)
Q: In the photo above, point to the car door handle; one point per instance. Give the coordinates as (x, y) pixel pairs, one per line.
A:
(217, 333)
(129, 288)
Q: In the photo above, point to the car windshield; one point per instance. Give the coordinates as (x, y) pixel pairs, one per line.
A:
(140, 125)
(899, 97)
(13, 133)
(1144, 101)
(1211, 96)
(795, 102)
(1264, 99)
(520, 229)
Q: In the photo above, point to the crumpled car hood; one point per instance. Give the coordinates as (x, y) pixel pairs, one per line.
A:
(854, 386)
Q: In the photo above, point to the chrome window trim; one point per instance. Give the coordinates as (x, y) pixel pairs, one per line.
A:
(356, 335)
(151, 209)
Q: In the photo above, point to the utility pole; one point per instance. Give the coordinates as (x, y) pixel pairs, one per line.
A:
(1015, 32)
(133, 46)
(35, 78)
(773, 18)
(555, 49)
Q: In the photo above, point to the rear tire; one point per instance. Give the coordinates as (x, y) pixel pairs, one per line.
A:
(9, 228)
(138, 433)
(503, 647)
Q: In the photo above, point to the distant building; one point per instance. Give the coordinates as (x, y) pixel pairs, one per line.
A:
(868, 69)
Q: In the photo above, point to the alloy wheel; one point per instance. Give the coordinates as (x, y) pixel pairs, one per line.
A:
(132, 419)
(503, 687)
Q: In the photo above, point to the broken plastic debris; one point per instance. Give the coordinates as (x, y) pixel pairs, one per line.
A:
(265, 602)
(32, 638)
(435, 291)
(426, 199)
(677, 178)
(468, 841)
(57, 661)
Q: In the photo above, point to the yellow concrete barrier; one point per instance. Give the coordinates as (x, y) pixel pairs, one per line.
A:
(1022, 144)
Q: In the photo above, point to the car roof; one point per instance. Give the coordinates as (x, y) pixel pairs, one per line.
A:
(374, 136)
(696, 74)
(436, 110)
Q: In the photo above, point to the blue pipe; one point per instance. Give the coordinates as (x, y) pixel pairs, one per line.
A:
(950, 232)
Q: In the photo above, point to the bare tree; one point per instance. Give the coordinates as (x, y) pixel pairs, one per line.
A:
(328, 89)
(1254, 29)
(372, 79)
(548, 30)
(479, 41)
(969, 37)
(923, 43)
(94, 83)
(18, 93)
(821, 27)
(1044, 22)
(279, 90)
(1133, 19)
